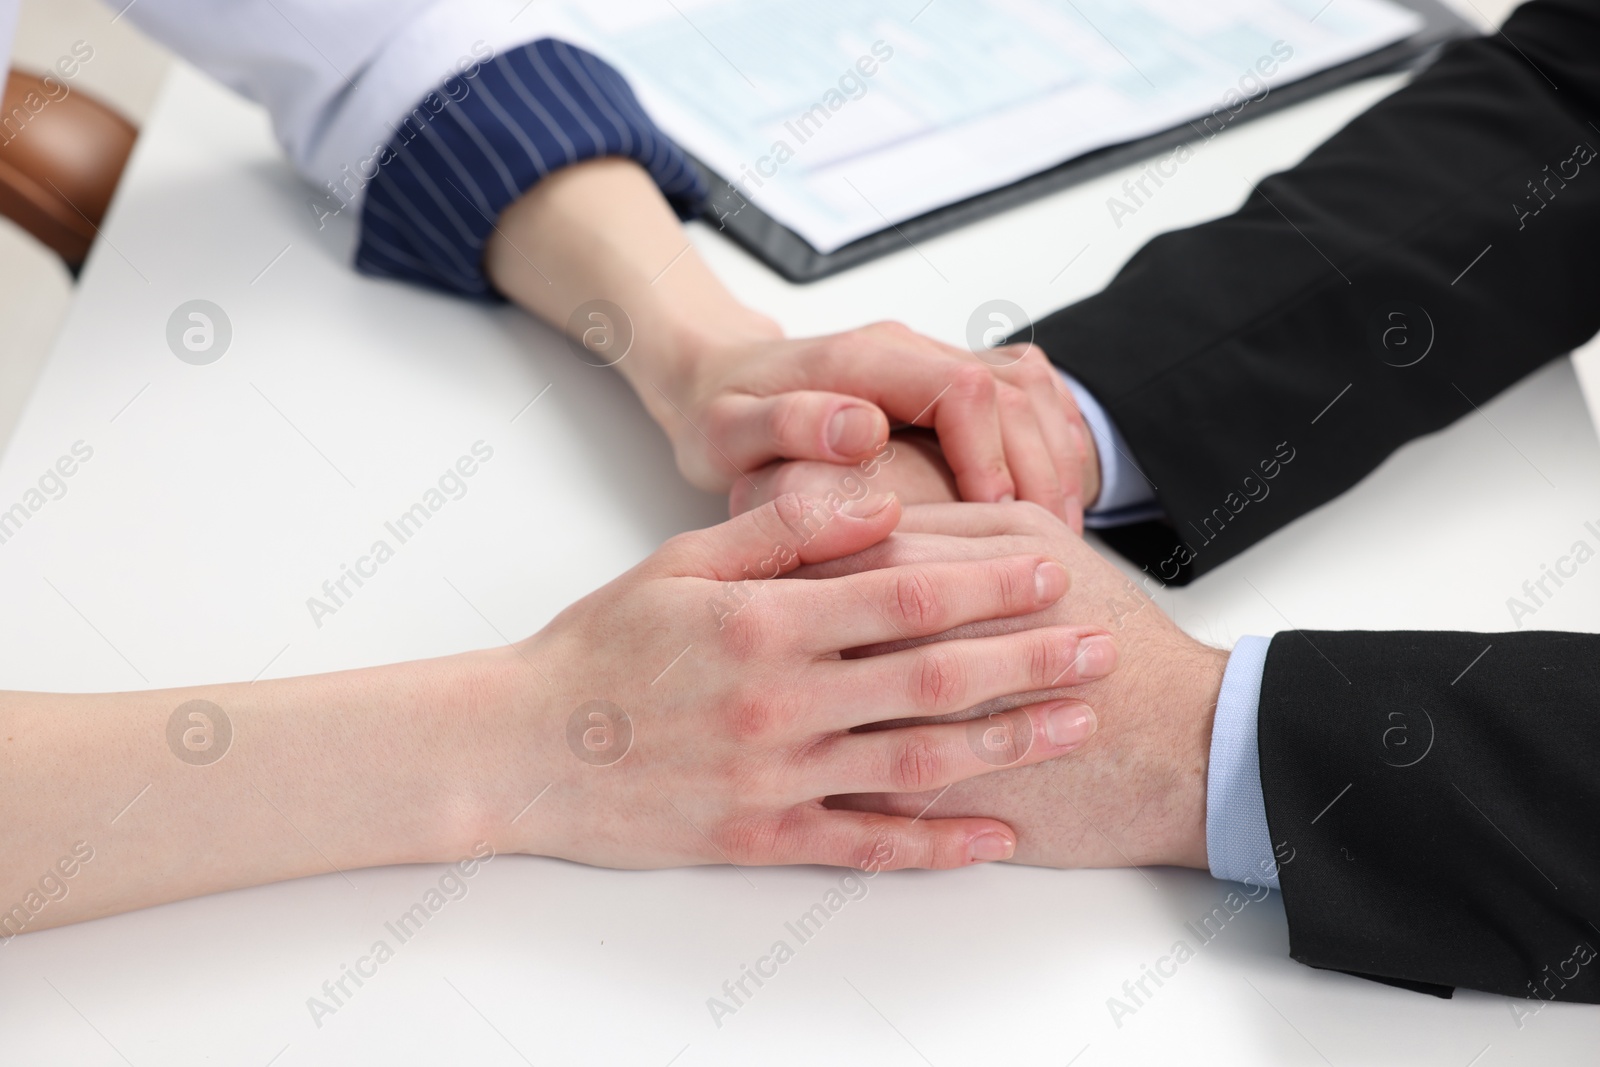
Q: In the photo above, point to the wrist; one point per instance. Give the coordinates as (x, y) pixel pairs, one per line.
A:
(1195, 682)
(686, 350)
(489, 745)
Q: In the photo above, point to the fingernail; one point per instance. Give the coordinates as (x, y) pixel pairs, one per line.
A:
(1007, 498)
(986, 848)
(1069, 724)
(1097, 656)
(1049, 581)
(852, 431)
(870, 506)
(1072, 509)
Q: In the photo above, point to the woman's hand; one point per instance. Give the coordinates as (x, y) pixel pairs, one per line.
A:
(1007, 427)
(595, 250)
(916, 467)
(697, 709)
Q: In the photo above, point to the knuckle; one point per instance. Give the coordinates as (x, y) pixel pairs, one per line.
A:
(940, 682)
(785, 422)
(681, 544)
(748, 839)
(827, 357)
(1014, 581)
(972, 381)
(945, 851)
(718, 419)
(790, 510)
(752, 719)
(1048, 659)
(916, 599)
(877, 851)
(918, 764)
(1014, 403)
(1034, 369)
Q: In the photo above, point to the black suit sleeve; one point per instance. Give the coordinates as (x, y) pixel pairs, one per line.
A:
(1467, 202)
(1436, 806)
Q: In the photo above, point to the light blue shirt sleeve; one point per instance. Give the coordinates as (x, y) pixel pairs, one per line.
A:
(1125, 494)
(1238, 843)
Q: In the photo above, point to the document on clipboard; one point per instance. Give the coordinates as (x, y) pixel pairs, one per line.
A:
(839, 118)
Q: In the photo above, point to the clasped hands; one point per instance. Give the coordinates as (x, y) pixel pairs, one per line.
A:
(836, 677)
(739, 406)
(776, 711)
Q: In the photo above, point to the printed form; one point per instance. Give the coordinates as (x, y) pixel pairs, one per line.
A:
(840, 118)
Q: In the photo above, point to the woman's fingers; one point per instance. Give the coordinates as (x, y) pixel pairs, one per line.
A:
(965, 520)
(1007, 432)
(921, 382)
(949, 676)
(873, 843)
(914, 549)
(915, 759)
(751, 431)
(943, 532)
(919, 601)
(779, 536)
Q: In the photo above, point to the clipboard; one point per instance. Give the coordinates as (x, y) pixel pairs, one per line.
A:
(792, 257)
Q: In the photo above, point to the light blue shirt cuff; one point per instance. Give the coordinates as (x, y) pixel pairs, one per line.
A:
(1125, 494)
(1238, 843)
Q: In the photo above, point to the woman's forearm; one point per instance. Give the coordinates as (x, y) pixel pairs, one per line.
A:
(687, 712)
(602, 231)
(168, 794)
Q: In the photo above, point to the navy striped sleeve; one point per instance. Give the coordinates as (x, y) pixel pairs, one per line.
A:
(471, 147)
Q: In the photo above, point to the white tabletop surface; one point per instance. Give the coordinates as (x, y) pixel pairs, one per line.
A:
(219, 497)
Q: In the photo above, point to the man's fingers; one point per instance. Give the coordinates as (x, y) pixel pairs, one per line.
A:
(754, 430)
(872, 843)
(920, 601)
(915, 759)
(1032, 465)
(966, 416)
(779, 536)
(941, 677)
(1060, 426)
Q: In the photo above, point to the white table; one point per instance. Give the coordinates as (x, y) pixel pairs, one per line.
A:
(219, 497)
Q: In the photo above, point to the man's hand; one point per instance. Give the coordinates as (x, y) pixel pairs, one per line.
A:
(1136, 793)
(915, 470)
(708, 710)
